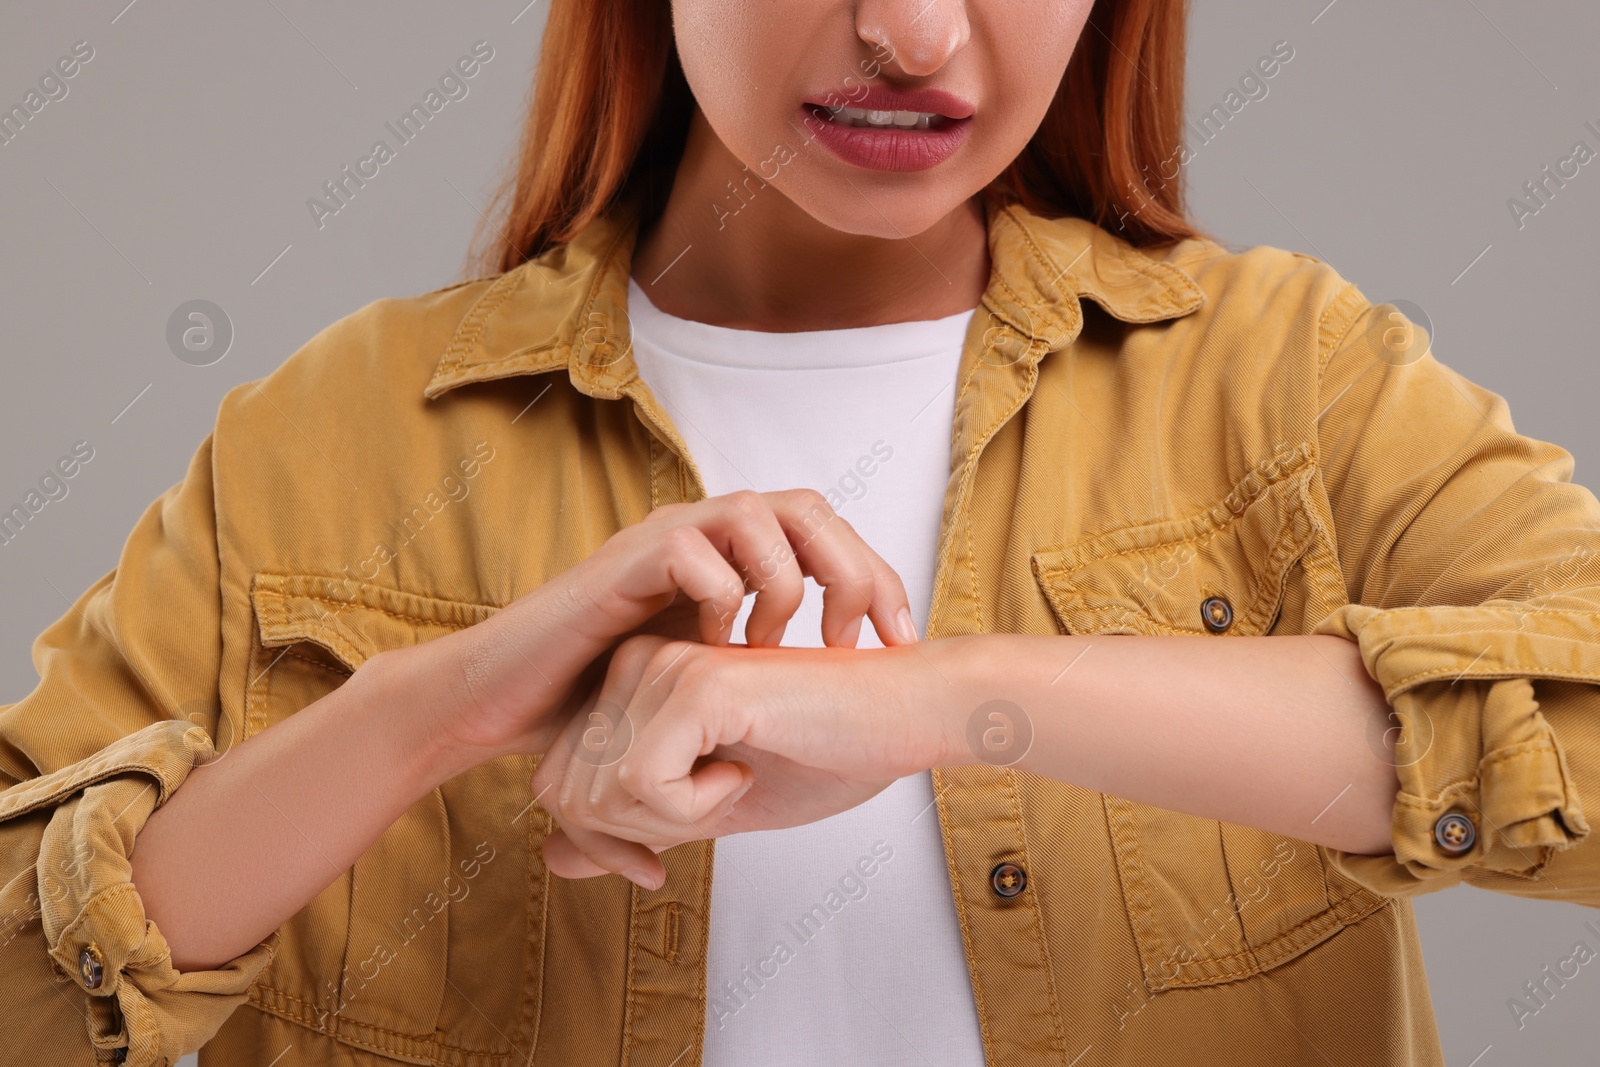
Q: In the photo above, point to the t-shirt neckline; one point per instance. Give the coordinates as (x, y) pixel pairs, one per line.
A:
(855, 346)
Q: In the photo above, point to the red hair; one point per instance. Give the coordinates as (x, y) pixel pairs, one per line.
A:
(610, 110)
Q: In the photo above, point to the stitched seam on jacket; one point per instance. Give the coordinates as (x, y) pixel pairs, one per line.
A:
(375, 607)
(1139, 898)
(296, 1016)
(972, 571)
(341, 672)
(1037, 911)
(85, 918)
(707, 870)
(1521, 750)
(1474, 784)
(1249, 949)
(1325, 918)
(1207, 524)
(628, 1004)
(962, 918)
(1283, 549)
(942, 586)
(1560, 613)
(470, 332)
(1327, 915)
(1327, 342)
(969, 475)
(669, 935)
(1039, 254)
(603, 265)
(539, 932)
(1494, 674)
(61, 793)
(655, 495)
(322, 634)
(1148, 268)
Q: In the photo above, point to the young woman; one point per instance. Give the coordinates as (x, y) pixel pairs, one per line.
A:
(1174, 614)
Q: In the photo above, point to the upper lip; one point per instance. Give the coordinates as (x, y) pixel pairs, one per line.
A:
(884, 98)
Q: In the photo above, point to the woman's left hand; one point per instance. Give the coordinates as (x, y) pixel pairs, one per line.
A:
(679, 731)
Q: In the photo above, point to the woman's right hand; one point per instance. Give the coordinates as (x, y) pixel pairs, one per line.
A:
(683, 572)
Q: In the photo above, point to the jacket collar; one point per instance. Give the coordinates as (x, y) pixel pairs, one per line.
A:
(568, 307)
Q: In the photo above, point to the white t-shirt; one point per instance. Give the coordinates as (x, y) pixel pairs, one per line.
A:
(834, 942)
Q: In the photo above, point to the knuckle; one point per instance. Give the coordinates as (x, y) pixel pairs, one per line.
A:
(862, 582)
(578, 816)
(569, 805)
(613, 805)
(693, 682)
(682, 540)
(809, 499)
(662, 511)
(666, 656)
(630, 777)
(748, 504)
(574, 604)
(812, 513)
(637, 652)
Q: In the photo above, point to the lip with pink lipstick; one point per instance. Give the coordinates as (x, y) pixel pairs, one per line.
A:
(890, 129)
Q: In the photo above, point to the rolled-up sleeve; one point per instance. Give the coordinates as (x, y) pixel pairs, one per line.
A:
(126, 706)
(1472, 566)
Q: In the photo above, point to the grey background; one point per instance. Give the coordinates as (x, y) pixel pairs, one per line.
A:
(179, 164)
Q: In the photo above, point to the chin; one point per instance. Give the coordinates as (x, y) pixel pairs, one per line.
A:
(891, 214)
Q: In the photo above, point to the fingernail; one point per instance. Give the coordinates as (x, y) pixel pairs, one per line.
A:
(643, 878)
(903, 623)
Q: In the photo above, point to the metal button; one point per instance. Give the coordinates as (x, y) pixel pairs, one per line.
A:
(90, 967)
(1454, 832)
(1008, 879)
(1216, 613)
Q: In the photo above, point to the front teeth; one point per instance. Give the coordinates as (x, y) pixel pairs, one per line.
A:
(902, 120)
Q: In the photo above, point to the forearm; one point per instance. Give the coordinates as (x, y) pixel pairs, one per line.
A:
(1286, 734)
(253, 836)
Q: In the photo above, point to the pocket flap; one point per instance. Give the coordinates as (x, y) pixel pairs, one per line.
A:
(352, 620)
(1154, 578)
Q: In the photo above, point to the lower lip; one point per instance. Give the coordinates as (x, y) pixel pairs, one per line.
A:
(886, 149)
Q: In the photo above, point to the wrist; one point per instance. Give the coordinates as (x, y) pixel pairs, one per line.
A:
(979, 719)
(943, 695)
(414, 708)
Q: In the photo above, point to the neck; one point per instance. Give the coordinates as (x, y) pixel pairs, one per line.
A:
(757, 261)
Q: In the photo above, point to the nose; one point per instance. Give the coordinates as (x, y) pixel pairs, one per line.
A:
(921, 35)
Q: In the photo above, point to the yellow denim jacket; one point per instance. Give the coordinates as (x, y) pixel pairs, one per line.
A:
(1187, 440)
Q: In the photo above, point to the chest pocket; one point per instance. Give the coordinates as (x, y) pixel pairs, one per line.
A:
(1210, 901)
(429, 949)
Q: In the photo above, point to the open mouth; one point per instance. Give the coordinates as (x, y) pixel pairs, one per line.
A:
(888, 129)
(882, 120)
